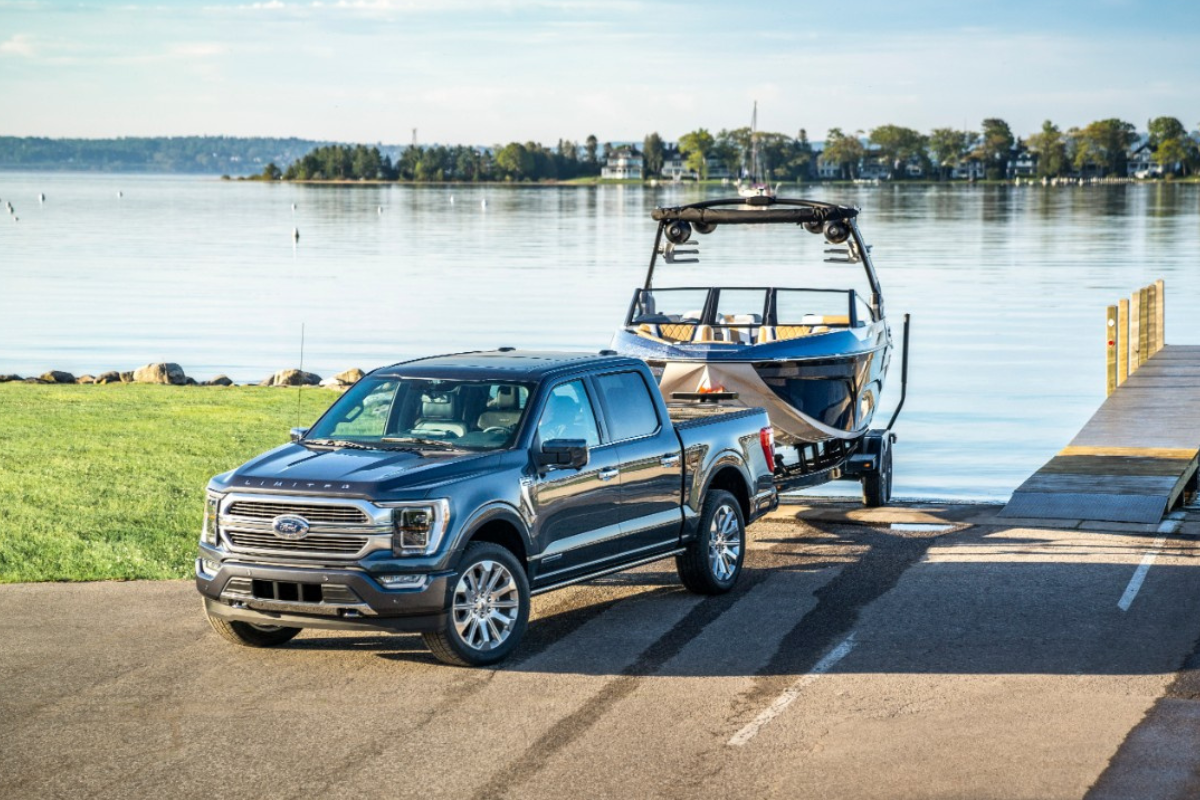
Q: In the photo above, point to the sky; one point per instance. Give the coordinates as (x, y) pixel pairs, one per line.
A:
(493, 71)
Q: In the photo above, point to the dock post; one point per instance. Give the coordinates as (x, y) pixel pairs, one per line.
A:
(1152, 319)
(1143, 342)
(1135, 332)
(1160, 316)
(1122, 341)
(1112, 336)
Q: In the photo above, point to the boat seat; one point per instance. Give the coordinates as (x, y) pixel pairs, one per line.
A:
(439, 416)
(742, 327)
(677, 331)
(709, 335)
(827, 319)
(785, 332)
(502, 410)
(766, 334)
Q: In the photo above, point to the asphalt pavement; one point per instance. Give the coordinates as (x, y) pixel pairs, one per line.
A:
(920, 652)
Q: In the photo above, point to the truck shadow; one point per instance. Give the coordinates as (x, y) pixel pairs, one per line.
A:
(996, 601)
(989, 600)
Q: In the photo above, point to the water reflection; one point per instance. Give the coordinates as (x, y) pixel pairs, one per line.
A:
(1007, 286)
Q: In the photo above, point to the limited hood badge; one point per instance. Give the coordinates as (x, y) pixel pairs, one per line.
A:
(290, 527)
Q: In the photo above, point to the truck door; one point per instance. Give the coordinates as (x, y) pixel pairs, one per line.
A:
(577, 509)
(651, 465)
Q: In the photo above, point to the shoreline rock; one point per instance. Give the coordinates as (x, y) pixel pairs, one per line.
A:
(292, 377)
(171, 374)
(160, 373)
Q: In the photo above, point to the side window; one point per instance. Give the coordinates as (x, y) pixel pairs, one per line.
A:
(568, 415)
(630, 408)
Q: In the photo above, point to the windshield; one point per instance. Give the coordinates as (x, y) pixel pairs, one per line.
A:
(390, 412)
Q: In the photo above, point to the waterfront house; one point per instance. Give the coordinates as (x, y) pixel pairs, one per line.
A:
(827, 170)
(1140, 161)
(970, 170)
(1022, 164)
(675, 167)
(623, 163)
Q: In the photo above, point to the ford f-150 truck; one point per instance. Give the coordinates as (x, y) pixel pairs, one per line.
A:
(438, 495)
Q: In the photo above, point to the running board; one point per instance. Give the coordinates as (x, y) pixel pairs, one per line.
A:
(608, 571)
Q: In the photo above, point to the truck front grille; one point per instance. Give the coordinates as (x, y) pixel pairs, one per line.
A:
(349, 515)
(336, 544)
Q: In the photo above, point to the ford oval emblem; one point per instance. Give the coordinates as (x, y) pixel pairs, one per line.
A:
(290, 526)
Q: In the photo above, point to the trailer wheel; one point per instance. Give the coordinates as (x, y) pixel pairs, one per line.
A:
(877, 484)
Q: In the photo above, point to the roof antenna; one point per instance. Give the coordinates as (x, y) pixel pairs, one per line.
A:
(300, 385)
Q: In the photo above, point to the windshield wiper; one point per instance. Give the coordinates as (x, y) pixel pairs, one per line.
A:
(417, 440)
(339, 443)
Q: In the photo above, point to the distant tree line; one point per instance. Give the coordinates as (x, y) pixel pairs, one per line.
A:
(1099, 149)
(211, 155)
(514, 161)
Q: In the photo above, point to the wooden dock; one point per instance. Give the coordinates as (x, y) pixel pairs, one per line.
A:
(1134, 458)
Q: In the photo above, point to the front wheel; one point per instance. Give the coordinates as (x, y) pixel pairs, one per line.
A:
(489, 609)
(713, 560)
(247, 634)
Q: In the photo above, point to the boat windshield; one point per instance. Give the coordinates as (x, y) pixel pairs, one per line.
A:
(399, 413)
(744, 315)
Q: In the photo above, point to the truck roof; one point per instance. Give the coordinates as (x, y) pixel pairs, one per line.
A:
(531, 365)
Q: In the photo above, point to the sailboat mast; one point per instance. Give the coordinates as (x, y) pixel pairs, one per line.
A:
(754, 143)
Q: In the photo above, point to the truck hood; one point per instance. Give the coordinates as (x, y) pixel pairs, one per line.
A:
(376, 474)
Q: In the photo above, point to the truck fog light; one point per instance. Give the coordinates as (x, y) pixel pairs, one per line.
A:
(403, 581)
(209, 568)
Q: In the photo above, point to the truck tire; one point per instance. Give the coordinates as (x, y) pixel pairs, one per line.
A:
(877, 484)
(713, 560)
(248, 634)
(488, 609)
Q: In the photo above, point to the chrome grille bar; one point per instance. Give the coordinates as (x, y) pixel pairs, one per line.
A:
(313, 543)
(249, 509)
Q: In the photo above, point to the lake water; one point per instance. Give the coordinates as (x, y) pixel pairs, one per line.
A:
(1007, 287)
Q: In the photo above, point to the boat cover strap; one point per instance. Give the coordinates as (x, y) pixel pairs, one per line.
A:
(753, 216)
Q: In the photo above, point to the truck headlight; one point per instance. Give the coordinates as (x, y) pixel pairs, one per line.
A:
(208, 531)
(418, 527)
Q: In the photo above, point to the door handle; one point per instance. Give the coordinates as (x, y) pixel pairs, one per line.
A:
(608, 474)
(671, 460)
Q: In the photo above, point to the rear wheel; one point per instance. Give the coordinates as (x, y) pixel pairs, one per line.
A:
(489, 609)
(713, 560)
(248, 634)
(877, 484)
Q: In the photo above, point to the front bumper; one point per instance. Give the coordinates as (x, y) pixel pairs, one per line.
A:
(312, 597)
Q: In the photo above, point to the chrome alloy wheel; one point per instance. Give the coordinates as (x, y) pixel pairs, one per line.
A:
(724, 543)
(486, 605)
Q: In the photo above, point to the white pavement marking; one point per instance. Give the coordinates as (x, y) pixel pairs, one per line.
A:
(1139, 575)
(784, 700)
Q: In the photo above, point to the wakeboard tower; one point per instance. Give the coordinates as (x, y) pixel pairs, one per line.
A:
(814, 358)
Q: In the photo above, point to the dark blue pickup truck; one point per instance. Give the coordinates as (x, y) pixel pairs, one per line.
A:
(438, 495)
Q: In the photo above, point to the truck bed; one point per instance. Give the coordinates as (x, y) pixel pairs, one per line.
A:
(693, 414)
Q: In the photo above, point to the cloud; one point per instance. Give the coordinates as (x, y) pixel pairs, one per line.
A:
(198, 50)
(20, 44)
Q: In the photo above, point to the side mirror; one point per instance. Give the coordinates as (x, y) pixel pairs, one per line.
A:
(299, 433)
(563, 453)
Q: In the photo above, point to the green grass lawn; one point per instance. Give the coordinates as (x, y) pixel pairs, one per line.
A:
(107, 481)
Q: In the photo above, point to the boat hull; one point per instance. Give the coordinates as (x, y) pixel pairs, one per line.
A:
(828, 389)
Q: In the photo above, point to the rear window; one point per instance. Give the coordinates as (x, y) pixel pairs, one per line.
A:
(631, 410)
